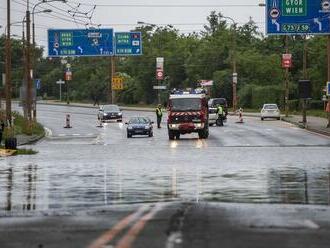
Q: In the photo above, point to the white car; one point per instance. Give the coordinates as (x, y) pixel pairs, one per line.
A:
(270, 111)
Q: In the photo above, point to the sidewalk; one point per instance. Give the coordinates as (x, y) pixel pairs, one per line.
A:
(314, 124)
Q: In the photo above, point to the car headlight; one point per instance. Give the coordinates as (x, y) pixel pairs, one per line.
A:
(129, 128)
(104, 114)
(146, 127)
(120, 114)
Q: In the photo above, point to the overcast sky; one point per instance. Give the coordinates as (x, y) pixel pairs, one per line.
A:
(123, 17)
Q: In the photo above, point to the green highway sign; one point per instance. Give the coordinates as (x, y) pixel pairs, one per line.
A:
(294, 7)
(128, 43)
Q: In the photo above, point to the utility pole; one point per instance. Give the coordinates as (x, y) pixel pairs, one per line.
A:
(113, 72)
(234, 76)
(286, 86)
(8, 67)
(305, 76)
(328, 77)
(28, 64)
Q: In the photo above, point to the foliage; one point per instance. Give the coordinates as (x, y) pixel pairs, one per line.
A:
(188, 58)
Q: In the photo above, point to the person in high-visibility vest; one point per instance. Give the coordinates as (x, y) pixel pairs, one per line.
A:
(159, 114)
(220, 115)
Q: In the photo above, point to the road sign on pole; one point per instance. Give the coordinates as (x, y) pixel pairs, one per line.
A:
(80, 42)
(128, 43)
(159, 87)
(37, 84)
(328, 88)
(117, 83)
(159, 74)
(286, 60)
(294, 17)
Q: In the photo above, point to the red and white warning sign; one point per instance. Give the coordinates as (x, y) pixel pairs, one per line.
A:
(160, 68)
(159, 74)
(68, 76)
(274, 13)
(287, 60)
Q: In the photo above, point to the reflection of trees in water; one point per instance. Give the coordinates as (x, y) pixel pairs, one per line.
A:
(9, 189)
(294, 185)
(30, 179)
(12, 186)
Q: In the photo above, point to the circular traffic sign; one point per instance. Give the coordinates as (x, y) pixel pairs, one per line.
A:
(325, 5)
(159, 74)
(56, 45)
(274, 13)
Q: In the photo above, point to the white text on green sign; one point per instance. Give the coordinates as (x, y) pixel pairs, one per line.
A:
(294, 7)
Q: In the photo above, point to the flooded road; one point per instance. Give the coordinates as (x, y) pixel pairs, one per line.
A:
(257, 162)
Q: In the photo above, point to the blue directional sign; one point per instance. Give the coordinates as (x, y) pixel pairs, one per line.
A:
(328, 88)
(128, 43)
(80, 42)
(37, 83)
(294, 17)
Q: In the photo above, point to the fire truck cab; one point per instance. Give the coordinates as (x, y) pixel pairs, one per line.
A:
(187, 113)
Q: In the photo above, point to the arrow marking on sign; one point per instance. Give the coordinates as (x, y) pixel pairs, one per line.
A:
(56, 51)
(317, 21)
(80, 49)
(101, 50)
(277, 25)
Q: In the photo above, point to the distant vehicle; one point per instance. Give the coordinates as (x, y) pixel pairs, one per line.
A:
(213, 103)
(270, 111)
(139, 126)
(187, 113)
(110, 112)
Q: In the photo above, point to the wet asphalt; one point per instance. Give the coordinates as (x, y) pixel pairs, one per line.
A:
(86, 168)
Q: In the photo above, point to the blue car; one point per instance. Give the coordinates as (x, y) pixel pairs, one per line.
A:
(139, 126)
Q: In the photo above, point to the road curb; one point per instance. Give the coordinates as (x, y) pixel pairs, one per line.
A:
(96, 107)
(32, 140)
(306, 128)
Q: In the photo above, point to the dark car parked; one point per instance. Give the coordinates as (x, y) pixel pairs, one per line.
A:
(110, 112)
(139, 126)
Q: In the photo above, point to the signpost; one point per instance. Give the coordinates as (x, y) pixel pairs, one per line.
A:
(60, 82)
(293, 17)
(128, 43)
(328, 88)
(80, 42)
(159, 73)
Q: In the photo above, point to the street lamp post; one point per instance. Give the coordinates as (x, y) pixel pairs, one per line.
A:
(234, 64)
(30, 66)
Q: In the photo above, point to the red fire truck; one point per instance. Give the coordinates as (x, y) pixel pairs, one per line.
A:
(187, 113)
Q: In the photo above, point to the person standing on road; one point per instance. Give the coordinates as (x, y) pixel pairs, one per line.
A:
(220, 115)
(159, 114)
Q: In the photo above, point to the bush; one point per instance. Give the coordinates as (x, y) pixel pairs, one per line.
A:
(316, 104)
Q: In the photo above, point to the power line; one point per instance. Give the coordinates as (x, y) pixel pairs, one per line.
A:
(170, 5)
(53, 16)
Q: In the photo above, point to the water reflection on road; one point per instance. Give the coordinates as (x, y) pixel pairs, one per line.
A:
(80, 184)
